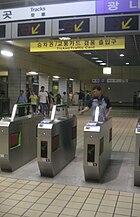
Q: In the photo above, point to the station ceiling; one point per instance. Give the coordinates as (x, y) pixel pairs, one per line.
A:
(75, 59)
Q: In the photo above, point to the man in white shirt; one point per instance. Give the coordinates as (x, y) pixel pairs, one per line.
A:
(43, 100)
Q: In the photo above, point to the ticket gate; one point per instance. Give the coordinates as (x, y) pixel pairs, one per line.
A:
(137, 156)
(18, 143)
(57, 139)
(97, 148)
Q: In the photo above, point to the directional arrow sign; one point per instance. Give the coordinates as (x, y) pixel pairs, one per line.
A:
(30, 29)
(35, 30)
(121, 23)
(74, 26)
(5, 31)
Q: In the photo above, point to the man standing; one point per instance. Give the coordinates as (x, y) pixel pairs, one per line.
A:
(98, 100)
(43, 100)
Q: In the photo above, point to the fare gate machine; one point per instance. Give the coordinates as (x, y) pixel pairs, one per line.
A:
(18, 143)
(97, 148)
(57, 139)
(137, 156)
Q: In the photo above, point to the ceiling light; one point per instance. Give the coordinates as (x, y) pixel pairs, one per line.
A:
(71, 79)
(64, 38)
(127, 63)
(6, 53)
(102, 64)
(32, 73)
(55, 76)
(87, 53)
(94, 58)
(121, 55)
(107, 70)
(99, 61)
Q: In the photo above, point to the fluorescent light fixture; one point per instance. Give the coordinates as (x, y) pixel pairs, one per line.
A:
(55, 76)
(32, 73)
(64, 38)
(121, 55)
(6, 53)
(102, 64)
(127, 63)
(94, 58)
(107, 70)
(87, 53)
(99, 61)
(71, 79)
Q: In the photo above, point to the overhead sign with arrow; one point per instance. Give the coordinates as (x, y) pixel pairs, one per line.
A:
(128, 23)
(31, 29)
(73, 26)
(77, 26)
(121, 23)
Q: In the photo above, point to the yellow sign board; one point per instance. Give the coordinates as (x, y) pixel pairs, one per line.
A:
(78, 44)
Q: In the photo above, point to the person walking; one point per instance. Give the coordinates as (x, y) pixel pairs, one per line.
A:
(34, 101)
(43, 100)
(21, 100)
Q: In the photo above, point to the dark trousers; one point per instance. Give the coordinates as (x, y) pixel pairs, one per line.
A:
(34, 108)
(21, 111)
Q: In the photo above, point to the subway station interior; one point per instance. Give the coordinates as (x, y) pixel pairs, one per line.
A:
(67, 163)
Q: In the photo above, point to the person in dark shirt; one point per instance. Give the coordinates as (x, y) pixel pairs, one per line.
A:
(98, 100)
(81, 100)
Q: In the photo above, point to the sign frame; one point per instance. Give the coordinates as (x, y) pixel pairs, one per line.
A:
(101, 24)
(47, 29)
(8, 31)
(92, 26)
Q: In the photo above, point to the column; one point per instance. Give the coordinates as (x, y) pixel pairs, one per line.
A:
(16, 82)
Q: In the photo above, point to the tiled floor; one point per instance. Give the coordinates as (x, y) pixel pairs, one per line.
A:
(25, 193)
(34, 199)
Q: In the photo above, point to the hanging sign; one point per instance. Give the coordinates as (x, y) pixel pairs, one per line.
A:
(78, 44)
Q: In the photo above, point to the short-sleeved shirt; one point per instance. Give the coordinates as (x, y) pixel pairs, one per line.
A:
(33, 99)
(43, 96)
(99, 101)
(103, 103)
(22, 99)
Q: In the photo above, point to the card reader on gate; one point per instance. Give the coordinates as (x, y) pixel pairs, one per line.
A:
(50, 120)
(92, 125)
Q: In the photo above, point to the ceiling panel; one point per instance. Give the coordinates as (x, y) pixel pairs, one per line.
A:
(78, 59)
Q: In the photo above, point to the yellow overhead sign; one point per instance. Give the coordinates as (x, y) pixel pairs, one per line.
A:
(78, 44)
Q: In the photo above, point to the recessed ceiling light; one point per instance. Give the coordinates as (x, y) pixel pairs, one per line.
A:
(121, 55)
(6, 53)
(64, 38)
(94, 58)
(32, 73)
(87, 53)
(127, 63)
(102, 64)
(99, 61)
(55, 76)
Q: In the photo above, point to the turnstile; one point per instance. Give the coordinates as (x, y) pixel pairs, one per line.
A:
(137, 156)
(97, 148)
(18, 143)
(57, 139)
